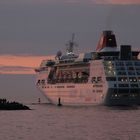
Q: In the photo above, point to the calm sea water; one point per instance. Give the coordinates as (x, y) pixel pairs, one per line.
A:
(48, 122)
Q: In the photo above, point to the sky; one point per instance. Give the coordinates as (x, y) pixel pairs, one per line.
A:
(22, 64)
(30, 30)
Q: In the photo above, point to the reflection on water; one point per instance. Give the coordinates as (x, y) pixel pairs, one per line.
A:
(48, 122)
(125, 108)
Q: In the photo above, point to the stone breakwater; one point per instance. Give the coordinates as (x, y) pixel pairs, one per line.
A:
(6, 105)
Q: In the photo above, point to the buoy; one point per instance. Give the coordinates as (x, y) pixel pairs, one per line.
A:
(59, 102)
(39, 101)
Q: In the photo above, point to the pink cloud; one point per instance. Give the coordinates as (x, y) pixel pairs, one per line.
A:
(12, 64)
(16, 70)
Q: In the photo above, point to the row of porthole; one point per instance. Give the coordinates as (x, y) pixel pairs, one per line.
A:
(121, 95)
(128, 80)
(127, 85)
(58, 87)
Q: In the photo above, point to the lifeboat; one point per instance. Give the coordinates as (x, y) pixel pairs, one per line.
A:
(74, 75)
(80, 75)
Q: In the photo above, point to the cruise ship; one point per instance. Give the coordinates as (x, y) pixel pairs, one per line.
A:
(108, 76)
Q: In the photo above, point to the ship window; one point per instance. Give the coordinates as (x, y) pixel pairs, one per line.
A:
(129, 64)
(134, 90)
(123, 91)
(137, 63)
(120, 68)
(110, 73)
(134, 85)
(123, 85)
(115, 90)
(99, 79)
(132, 79)
(99, 91)
(131, 72)
(121, 73)
(60, 86)
(119, 64)
(97, 85)
(38, 82)
(93, 79)
(122, 79)
(137, 68)
(138, 73)
(43, 81)
(130, 68)
(76, 73)
(111, 78)
(70, 86)
(96, 79)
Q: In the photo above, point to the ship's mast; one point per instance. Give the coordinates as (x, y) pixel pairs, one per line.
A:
(71, 44)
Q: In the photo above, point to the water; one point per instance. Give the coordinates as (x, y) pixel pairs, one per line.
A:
(48, 122)
(20, 88)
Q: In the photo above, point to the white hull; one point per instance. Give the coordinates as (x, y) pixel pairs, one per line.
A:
(74, 94)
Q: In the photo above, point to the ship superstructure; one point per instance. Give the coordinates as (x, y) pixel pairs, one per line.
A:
(109, 76)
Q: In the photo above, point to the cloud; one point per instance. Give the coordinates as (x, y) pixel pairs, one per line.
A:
(20, 64)
(16, 70)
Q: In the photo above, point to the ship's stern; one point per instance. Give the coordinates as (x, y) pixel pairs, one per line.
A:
(123, 82)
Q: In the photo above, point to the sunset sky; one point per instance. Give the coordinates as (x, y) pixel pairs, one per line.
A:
(32, 29)
(12, 64)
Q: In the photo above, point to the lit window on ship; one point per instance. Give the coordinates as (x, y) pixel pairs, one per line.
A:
(74, 73)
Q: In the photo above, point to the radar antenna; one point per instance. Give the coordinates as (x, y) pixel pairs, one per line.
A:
(58, 55)
(71, 44)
